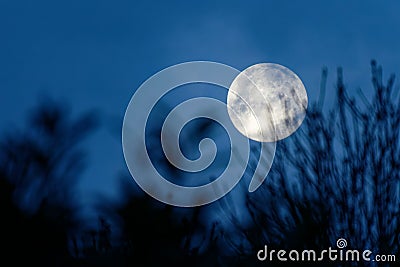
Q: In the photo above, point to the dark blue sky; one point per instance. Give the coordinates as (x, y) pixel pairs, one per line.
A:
(94, 54)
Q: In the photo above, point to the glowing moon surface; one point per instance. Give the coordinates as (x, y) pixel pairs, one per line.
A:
(267, 102)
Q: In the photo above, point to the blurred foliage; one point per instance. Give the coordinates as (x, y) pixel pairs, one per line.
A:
(336, 177)
(39, 167)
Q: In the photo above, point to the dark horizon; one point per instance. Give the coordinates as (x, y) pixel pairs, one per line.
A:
(94, 56)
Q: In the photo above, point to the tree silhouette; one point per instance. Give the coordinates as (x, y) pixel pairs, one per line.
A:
(39, 167)
(337, 177)
(153, 234)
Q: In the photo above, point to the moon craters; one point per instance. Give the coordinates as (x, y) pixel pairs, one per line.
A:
(267, 102)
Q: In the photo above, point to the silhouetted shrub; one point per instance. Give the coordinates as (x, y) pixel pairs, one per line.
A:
(336, 177)
(39, 167)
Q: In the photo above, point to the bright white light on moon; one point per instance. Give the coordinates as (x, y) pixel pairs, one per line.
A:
(267, 102)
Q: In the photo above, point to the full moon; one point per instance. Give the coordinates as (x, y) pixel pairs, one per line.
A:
(267, 102)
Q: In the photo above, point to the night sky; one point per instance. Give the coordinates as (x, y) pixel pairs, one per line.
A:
(94, 54)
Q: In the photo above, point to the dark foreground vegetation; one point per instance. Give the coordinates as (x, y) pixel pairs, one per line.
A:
(336, 177)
